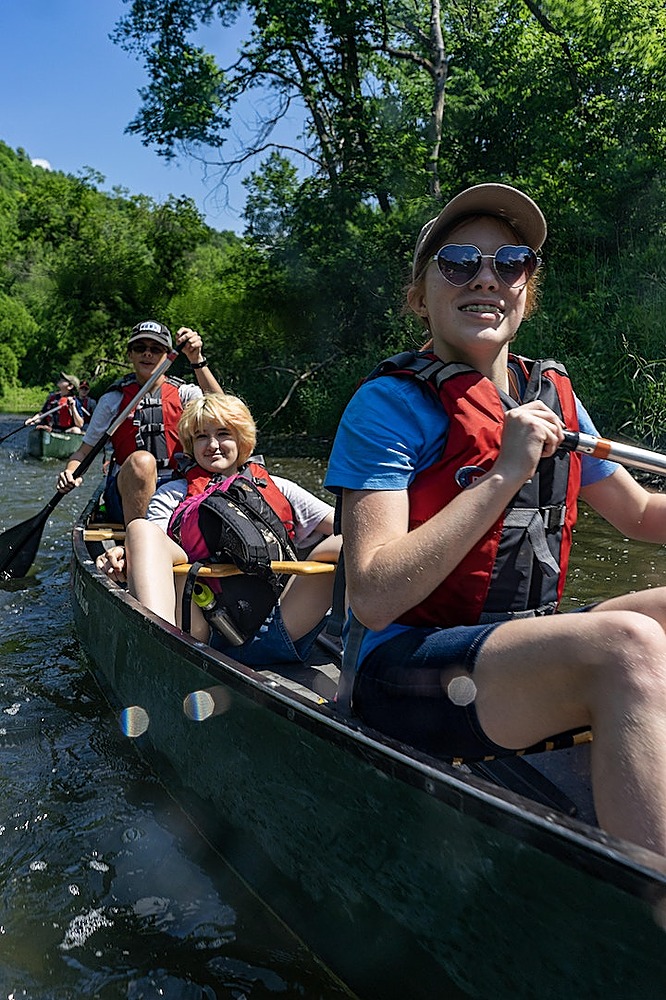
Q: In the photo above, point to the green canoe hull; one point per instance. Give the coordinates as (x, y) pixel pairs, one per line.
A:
(403, 874)
(52, 444)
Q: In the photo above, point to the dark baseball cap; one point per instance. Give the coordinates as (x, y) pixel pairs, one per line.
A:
(149, 329)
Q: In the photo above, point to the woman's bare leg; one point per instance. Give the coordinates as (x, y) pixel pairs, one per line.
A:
(607, 669)
(151, 556)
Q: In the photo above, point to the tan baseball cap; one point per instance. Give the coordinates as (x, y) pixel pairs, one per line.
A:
(506, 202)
(72, 379)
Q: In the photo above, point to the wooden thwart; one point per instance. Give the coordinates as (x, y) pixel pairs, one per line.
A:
(303, 567)
(104, 533)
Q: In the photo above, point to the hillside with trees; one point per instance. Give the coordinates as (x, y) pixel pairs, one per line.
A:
(405, 103)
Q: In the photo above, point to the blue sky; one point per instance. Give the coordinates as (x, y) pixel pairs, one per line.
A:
(69, 92)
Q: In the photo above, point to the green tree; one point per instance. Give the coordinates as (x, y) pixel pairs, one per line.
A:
(336, 60)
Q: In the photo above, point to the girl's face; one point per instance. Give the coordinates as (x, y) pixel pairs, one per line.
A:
(215, 448)
(474, 322)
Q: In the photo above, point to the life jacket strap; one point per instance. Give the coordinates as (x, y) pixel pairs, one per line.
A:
(488, 617)
(188, 589)
(531, 519)
(352, 647)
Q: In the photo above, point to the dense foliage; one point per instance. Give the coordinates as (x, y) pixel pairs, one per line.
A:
(405, 103)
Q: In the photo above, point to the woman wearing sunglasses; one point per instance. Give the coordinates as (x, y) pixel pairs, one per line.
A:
(457, 513)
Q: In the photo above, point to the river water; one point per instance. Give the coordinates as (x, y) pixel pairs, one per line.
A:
(107, 891)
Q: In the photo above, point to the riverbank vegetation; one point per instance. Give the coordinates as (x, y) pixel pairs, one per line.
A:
(404, 104)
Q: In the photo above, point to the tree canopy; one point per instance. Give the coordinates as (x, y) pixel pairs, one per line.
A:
(403, 102)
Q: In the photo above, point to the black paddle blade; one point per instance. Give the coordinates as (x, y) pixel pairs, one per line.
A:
(19, 545)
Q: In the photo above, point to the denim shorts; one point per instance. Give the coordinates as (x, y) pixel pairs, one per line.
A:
(113, 507)
(270, 645)
(418, 687)
(402, 689)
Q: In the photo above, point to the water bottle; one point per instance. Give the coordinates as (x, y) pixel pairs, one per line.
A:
(216, 616)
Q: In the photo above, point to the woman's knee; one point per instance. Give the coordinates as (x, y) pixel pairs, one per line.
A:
(140, 464)
(140, 531)
(635, 647)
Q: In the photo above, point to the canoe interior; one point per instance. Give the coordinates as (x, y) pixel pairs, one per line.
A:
(402, 872)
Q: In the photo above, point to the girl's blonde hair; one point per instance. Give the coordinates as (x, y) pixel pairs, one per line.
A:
(230, 412)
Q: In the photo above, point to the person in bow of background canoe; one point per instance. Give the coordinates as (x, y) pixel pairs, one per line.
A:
(219, 434)
(144, 446)
(457, 513)
(69, 417)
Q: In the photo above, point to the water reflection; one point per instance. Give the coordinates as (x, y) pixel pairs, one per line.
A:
(604, 564)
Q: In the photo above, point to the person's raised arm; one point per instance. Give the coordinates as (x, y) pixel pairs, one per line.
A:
(192, 347)
(628, 506)
(75, 411)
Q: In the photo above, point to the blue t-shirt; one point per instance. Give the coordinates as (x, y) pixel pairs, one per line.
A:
(390, 431)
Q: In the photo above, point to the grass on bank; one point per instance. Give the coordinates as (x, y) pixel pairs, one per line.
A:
(19, 399)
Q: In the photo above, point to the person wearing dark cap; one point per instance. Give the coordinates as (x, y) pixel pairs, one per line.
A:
(145, 446)
(61, 411)
(458, 506)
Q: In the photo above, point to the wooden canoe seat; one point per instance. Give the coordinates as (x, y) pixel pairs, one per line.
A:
(105, 533)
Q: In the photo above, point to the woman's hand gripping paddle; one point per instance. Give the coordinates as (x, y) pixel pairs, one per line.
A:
(19, 545)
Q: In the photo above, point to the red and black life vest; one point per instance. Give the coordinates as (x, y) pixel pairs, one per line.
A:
(62, 420)
(184, 525)
(244, 519)
(519, 566)
(153, 426)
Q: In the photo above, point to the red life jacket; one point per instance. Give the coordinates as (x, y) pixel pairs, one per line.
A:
(63, 419)
(519, 566)
(153, 426)
(184, 524)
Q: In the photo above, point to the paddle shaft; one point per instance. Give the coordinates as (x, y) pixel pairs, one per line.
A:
(614, 451)
(26, 423)
(19, 545)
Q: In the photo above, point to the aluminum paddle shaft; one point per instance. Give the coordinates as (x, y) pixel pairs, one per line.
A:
(623, 454)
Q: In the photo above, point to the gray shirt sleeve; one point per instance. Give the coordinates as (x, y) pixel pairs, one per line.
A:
(164, 501)
(309, 511)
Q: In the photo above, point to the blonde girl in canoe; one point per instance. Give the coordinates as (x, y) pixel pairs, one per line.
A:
(219, 434)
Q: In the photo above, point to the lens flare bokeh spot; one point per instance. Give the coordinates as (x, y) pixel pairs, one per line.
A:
(461, 690)
(204, 704)
(134, 721)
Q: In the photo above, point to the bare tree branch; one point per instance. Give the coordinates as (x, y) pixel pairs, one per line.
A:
(299, 379)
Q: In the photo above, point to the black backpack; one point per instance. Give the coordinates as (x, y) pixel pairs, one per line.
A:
(240, 526)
